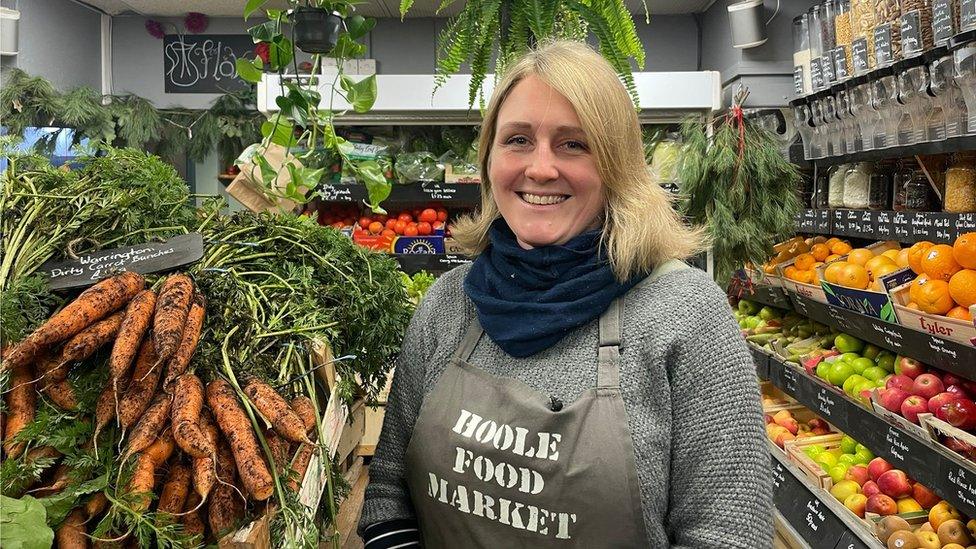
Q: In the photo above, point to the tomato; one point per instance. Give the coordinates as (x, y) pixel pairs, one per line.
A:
(424, 228)
(438, 225)
(400, 227)
(390, 224)
(405, 217)
(416, 213)
(389, 233)
(411, 230)
(429, 215)
(375, 227)
(442, 215)
(382, 218)
(349, 222)
(338, 225)
(364, 222)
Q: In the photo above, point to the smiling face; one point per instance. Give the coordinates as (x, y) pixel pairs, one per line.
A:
(543, 174)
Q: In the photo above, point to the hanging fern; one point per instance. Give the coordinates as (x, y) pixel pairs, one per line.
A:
(477, 35)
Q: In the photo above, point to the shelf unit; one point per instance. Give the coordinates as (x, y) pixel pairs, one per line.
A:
(951, 145)
(886, 225)
(951, 476)
(455, 194)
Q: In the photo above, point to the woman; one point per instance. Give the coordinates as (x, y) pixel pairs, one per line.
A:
(577, 386)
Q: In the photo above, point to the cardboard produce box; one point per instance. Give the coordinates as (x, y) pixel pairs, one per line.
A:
(961, 331)
(870, 302)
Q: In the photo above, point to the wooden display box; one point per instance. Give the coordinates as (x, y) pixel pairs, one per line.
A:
(961, 331)
(868, 302)
(794, 452)
(808, 291)
(763, 278)
(897, 419)
(940, 432)
(769, 391)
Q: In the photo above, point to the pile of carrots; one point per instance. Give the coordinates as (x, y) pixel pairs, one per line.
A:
(197, 437)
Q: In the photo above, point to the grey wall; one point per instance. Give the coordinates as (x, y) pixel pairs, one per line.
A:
(59, 40)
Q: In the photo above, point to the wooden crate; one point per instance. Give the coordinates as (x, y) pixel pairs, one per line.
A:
(794, 452)
(768, 390)
(939, 432)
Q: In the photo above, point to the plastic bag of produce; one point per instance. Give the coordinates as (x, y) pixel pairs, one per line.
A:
(419, 166)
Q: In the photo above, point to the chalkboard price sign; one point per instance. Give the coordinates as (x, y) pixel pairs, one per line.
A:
(859, 50)
(902, 226)
(798, 80)
(823, 221)
(827, 62)
(882, 44)
(966, 223)
(141, 258)
(967, 14)
(942, 27)
(963, 483)
(816, 73)
(840, 62)
(911, 32)
(204, 63)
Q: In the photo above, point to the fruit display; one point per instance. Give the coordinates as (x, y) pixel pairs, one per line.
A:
(786, 333)
(783, 426)
(945, 528)
(946, 281)
(813, 252)
(420, 221)
(862, 268)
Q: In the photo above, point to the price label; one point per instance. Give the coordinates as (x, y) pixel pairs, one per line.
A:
(798, 80)
(801, 306)
(823, 221)
(967, 14)
(911, 35)
(965, 223)
(961, 485)
(902, 227)
(827, 65)
(840, 225)
(816, 73)
(790, 379)
(882, 44)
(890, 334)
(337, 193)
(779, 475)
(436, 191)
(838, 318)
(840, 62)
(923, 226)
(814, 519)
(904, 451)
(830, 405)
(859, 50)
(942, 24)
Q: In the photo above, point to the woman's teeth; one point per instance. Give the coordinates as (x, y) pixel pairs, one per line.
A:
(543, 200)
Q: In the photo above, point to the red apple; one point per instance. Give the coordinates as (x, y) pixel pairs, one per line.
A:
(925, 497)
(870, 488)
(957, 389)
(768, 418)
(810, 365)
(970, 386)
(961, 413)
(957, 445)
(881, 504)
(927, 386)
(940, 400)
(878, 467)
(900, 381)
(817, 423)
(913, 406)
(858, 474)
(951, 379)
(892, 398)
(909, 367)
(894, 484)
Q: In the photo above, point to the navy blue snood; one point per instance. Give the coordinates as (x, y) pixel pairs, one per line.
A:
(528, 300)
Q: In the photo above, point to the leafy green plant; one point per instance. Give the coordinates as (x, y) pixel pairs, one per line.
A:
(504, 29)
(300, 124)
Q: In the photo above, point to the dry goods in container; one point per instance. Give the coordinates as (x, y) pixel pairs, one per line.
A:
(960, 189)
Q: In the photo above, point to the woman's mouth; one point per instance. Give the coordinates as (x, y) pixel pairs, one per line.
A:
(542, 199)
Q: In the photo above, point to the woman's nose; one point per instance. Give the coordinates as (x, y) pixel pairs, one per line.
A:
(542, 165)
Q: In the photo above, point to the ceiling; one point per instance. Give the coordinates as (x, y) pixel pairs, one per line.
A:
(372, 8)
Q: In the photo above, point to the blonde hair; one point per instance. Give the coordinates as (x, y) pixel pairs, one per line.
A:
(640, 229)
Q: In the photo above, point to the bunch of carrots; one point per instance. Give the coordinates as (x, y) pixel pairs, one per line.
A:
(198, 437)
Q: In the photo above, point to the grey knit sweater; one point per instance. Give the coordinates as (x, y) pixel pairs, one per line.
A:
(689, 388)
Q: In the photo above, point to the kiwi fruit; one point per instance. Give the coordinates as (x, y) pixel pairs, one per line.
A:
(889, 525)
(903, 539)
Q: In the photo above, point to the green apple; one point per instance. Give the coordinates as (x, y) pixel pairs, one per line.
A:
(874, 373)
(823, 369)
(848, 344)
(847, 459)
(814, 450)
(867, 384)
(839, 372)
(826, 460)
(886, 360)
(845, 489)
(851, 382)
(863, 456)
(848, 445)
(870, 351)
(838, 472)
(849, 357)
(861, 364)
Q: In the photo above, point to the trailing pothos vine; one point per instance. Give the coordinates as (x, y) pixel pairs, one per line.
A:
(300, 124)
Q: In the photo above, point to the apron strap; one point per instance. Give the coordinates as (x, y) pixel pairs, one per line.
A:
(470, 340)
(608, 374)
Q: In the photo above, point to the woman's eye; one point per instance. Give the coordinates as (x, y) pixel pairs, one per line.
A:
(575, 145)
(517, 140)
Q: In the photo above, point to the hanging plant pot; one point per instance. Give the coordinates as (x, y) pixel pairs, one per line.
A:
(316, 30)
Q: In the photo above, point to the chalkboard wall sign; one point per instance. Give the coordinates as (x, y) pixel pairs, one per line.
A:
(141, 258)
(204, 63)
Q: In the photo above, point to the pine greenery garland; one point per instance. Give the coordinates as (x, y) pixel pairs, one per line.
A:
(129, 120)
(748, 203)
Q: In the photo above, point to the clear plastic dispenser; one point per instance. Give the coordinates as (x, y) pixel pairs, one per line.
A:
(818, 148)
(885, 97)
(867, 118)
(848, 128)
(964, 61)
(946, 118)
(913, 83)
(831, 128)
(801, 119)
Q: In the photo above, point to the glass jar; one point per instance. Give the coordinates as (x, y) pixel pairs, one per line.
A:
(862, 27)
(821, 187)
(960, 185)
(887, 32)
(828, 11)
(964, 73)
(801, 55)
(815, 22)
(899, 182)
(916, 27)
(842, 39)
(919, 196)
(857, 186)
(835, 190)
(879, 186)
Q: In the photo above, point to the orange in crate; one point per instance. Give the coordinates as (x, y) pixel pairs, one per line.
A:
(937, 262)
(860, 256)
(964, 250)
(840, 248)
(916, 253)
(820, 252)
(853, 276)
(804, 262)
(962, 288)
(933, 297)
(959, 313)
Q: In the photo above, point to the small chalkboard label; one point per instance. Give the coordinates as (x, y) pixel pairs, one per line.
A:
(827, 64)
(911, 35)
(339, 193)
(823, 221)
(141, 258)
(923, 226)
(965, 223)
(849, 541)
(902, 226)
(904, 451)
(942, 24)
(962, 485)
(859, 50)
(816, 73)
(437, 191)
(882, 44)
(798, 80)
(967, 14)
(888, 332)
(830, 405)
(815, 518)
(790, 380)
(840, 62)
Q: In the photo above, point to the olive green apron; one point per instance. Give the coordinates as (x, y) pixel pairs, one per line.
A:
(494, 463)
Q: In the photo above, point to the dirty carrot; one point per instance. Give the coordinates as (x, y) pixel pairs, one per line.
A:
(92, 305)
(71, 533)
(279, 449)
(135, 322)
(95, 505)
(188, 343)
(302, 405)
(204, 471)
(105, 408)
(173, 497)
(144, 476)
(58, 483)
(187, 405)
(276, 409)
(62, 394)
(299, 465)
(21, 408)
(89, 340)
(141, 388)
(225, 506)
(192, 524)
(150, 425)
(172, 309)
(236, 426)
